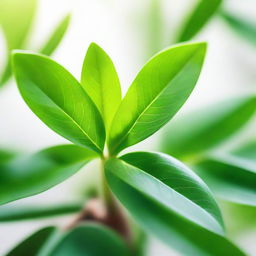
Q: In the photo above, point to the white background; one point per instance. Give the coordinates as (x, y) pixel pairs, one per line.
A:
(119, 27)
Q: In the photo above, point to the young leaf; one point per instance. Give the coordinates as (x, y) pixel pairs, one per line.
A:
(33, 244)
(27, 212)
(198, 18)
(170, 201)
(90, 239)
(241, 27)
(231, 178)
(157, 93)
(56, 97)
(25, 176)
(56, 36)
(204, 129)
(101, 82)
(16, 19)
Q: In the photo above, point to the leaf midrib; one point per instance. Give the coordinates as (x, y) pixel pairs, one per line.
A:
(165, 206)
(71, 118)
(151, 103)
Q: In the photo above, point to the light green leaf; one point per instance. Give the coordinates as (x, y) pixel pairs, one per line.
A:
(16, 18)
(91, 240)
(198, 18)
(56, 97)
(230, 178)
(27, 212)
(28, 175)
(157, 93)
(56, 36)
(101, 82)
(247, 151)
(154, 27)
(202, 130)
(6, 155)
(169, 201)
(241, 27)
(32, 245)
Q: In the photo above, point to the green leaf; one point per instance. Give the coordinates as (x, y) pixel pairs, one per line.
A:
(202, 130)
(56, 36)
(28, 175)
(27, 212)
(198, 18)
(6, 155)
(101, 82)
(16, 18)
(56, 97)
(157, 93)
(230, 178)
(32, 245)
(91, 240)
(170, 201)
(154, 27)
(247, 151)
(241, 27)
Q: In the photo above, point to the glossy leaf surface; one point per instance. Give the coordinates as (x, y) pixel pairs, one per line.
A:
(202, 130)
(198, 18)
(33, 244)
(91, 240)
(16, 19)
(101, 82)
(28, 212)
(231, 178)
(169, 201)
(243, 28)
(56, 36)
(56, 97)
(157, 93)
(28, 175)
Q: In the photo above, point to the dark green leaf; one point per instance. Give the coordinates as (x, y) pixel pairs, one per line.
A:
(170, 201)
(241, 27)
(91, 240)
(231, 178)
(16, 19)
(101, 82)
(198, 18)
(204, 129)
(56, 97)
(56, 36)
(32, 245)
(25, 176)
(157, 93)
(27, 212)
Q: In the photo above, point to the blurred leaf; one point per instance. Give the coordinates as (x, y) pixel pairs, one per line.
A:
(154, 27)
(56, 97)
(16, 18)
(198, 18)
(170, 201)
(25, 176)
(56, 36)
(6, 155)
(101, 82)
(202, 130)
(27, 212)
(247, 151)
(241, 27)
(91, 240)
(230, 178)
(157, 93)
(32, 245)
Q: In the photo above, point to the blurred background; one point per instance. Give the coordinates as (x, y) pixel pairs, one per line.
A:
(124, 30)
